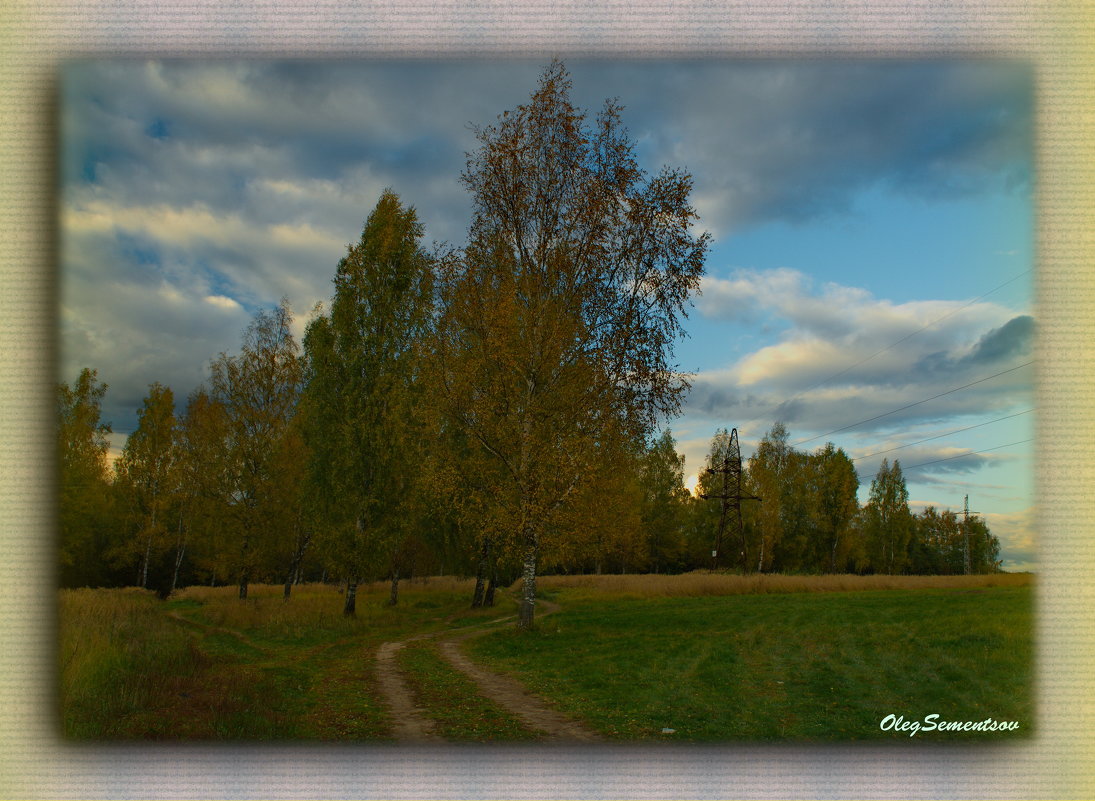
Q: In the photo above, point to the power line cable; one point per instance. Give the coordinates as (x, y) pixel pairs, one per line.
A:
(959, 456)
(911, 405)
(940, 436)
(892, 345)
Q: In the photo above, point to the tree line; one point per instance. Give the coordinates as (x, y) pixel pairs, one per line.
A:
(491, 410)
(808, 518)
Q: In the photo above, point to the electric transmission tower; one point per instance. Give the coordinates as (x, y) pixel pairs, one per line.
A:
(731, 497)
(966, 535)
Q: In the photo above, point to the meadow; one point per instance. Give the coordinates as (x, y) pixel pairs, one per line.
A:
(693, 658)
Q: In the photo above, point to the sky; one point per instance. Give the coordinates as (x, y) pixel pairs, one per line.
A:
(869, 281)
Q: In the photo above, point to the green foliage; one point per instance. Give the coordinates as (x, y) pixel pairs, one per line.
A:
(85, 504)
(558, 317)
(207, 476)
(664, 504)
(938, 543)
(772, 480)
(888, 521)
(258, 390)
(359, 407)
(148, 477)
(485, 410)
(836, 505)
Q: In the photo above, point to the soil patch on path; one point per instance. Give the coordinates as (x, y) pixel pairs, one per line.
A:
(531, 710)
(410, 724)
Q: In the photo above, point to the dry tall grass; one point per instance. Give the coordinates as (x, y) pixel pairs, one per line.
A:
(117, 649)
(695, 584)
(311, 605)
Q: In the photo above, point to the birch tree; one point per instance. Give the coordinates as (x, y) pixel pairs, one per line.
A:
(258, 390)
(663, 503)
(148, 472)
(560, 313)
(888, 521)
(84, 480)
(770, 472)
(360, 405)
(836, 485)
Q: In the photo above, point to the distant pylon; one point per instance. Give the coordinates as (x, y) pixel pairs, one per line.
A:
(731, 497)
(966, 534)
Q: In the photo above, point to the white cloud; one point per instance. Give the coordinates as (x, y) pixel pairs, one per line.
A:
(843, 356)
(223, 302)
(196, 225)
(246, 180)
(1017, 533)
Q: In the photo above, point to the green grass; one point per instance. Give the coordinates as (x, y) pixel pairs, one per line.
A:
(628, 658)
(805, 666)
(453, 700)
(118, 655)
(206, 665)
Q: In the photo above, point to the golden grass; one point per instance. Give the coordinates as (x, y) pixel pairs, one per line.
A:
(703, 583)
(314, 591)
(131, 665)
(117, 652)
(95, 621)
(311, 605)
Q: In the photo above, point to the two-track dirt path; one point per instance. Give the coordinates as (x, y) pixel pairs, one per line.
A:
(410, 724)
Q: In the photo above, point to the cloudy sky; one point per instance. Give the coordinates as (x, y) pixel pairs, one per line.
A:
(870, 281)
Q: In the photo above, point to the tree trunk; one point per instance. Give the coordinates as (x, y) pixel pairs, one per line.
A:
(528, 590)
(492, 583)
(293, 576)
(144, 563)
(718, 538)
(245, 572)
(744, 544)
(480, 575)
(180, 552)
(393, 598)
(350, 607)
(148, 550)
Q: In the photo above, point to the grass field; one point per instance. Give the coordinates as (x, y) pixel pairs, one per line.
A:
(708, 657)
(206, 665)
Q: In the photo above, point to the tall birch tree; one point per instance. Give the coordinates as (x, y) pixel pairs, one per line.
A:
(663, 503)
(770, 475)
(258, 390)
(360, 404)
(559, 315)
(149, 472)
(84, 481)
(836, 504)
(205, 473)
(888, 521)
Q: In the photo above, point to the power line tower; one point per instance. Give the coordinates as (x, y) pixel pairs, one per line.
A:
(968, 568)
(966, 535)
(731, 498)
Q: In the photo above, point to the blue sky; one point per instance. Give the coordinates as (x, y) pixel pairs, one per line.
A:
(871, 215)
